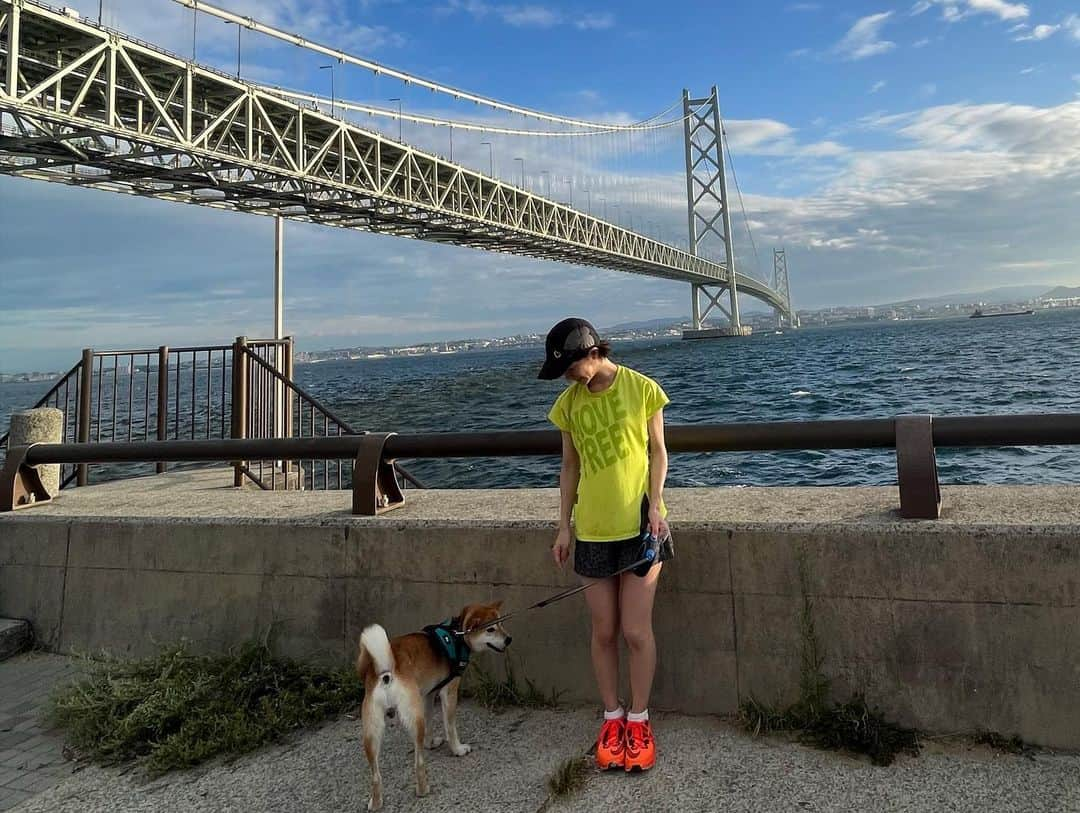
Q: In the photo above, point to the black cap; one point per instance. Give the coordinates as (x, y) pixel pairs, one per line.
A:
(568, 341)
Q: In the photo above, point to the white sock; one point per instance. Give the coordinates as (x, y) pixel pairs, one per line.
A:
(618, 714)
(638, 716)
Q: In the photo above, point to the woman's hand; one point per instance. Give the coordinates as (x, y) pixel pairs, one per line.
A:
(658, 526)
(560, 551)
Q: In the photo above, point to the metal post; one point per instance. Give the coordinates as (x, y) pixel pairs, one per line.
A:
(239, 401)
(289, 376)
(12, 80)
(333, 99)
(399, 130)
(86, 383)
(279, 319)
(163, 400)
(279, 276)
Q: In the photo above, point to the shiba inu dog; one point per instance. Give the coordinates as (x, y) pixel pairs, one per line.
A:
(402, 677)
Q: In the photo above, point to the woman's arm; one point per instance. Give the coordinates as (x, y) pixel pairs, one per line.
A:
(658, 465)
(569, 475)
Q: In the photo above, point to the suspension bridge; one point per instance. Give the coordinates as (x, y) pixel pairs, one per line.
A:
(86, 105)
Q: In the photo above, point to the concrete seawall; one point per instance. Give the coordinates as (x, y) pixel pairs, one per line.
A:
(967, 622)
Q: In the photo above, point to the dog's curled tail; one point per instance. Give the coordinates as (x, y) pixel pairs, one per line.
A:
(375, 646)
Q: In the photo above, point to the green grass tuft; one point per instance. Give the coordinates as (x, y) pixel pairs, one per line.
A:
(495, 694)
(1007, 745)
(176, 709)
(850, 726)
(569, 777)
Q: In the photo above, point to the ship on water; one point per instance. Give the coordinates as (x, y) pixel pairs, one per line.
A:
(980, 315)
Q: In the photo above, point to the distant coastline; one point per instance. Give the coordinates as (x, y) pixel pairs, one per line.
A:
(953, 306)
(27, 378)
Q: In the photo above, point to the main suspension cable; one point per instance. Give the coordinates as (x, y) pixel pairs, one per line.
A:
(407, 78)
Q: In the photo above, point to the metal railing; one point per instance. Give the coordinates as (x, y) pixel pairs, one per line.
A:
(64, 395)
(275, 407)
(375, 487)
(216, 392)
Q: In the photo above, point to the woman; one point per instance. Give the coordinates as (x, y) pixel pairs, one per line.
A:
(614, 463)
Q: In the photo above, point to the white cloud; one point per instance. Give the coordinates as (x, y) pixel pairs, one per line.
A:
(1072, 26)
(878, 85)
(920, 7)
(1039, 32)
(771, 137)
(862, 40)
(596, 21)
(921, 43)
(531, 15)
(955, 10)
(169, 25)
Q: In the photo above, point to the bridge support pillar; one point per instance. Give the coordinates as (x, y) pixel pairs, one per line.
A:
(697, 330)
(707, 204)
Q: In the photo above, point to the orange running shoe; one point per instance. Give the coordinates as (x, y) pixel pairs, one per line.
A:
(610, 745)
(640, 747)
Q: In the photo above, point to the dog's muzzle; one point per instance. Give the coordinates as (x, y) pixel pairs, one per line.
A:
(504, 646)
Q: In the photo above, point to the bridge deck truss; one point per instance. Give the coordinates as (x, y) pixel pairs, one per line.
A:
(86, 106)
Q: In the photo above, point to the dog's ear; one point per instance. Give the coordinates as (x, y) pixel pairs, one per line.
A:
(468, 615)
(497, 606)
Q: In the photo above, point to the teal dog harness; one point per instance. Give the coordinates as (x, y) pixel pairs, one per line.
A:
(449, 643)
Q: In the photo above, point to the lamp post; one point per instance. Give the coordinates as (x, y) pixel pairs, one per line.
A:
(399, 130)
(238, 30)
(451, 142)
(588, 200)
(522, 160)
(546, 173)
(570, 191)
(491, 158)
(332, 99)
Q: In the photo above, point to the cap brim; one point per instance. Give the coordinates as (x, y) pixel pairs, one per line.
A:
(554, 368)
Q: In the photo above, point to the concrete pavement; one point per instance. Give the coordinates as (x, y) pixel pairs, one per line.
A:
(705, 764)
(31, 757)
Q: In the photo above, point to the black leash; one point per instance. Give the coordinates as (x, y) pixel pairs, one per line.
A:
(650, 557)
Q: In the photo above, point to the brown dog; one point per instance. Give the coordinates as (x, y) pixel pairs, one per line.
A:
(402, 676)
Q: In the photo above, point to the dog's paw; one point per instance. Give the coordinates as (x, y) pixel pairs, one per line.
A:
(423, 789)
(462, 749)
(433, 742)
(374, 804)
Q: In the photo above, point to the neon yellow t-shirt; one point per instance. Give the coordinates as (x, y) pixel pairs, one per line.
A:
(611, 435)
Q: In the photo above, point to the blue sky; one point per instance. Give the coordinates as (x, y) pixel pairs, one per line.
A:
(894, 150)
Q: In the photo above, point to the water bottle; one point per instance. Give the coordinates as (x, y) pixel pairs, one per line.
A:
(650, 552)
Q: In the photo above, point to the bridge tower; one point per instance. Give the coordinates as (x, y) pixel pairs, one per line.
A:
(780, 285)
(707, 203)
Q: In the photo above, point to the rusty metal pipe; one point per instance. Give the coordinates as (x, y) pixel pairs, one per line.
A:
(1014, 430)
